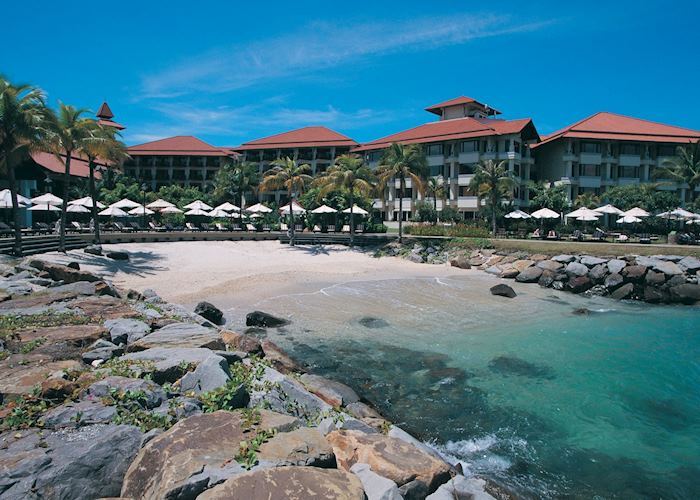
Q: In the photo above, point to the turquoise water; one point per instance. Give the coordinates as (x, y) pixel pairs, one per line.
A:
(545, 402)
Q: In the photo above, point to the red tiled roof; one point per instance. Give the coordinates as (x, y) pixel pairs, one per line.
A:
(445, 130)
(306, 137)
(78, 166)
(181, 145)
(435, 108)
(104, 112)
(611, 126)
(110, 123)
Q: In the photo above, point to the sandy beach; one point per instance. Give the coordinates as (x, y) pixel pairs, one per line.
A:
(243, 272)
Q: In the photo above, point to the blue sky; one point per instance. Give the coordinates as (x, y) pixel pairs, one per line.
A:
(230, 73)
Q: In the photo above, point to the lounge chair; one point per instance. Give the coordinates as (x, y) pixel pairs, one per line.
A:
(250, 227)
(237, 227)
(191, 226)
(576, 236)
(316, 229)
(330, 228)
(220, 227)
(622, 238)
(205, 226)
(122, 228)
(644, 239)
(284, 227)
(360, 228)
(79, 228)
(267, 227)
(298, 228)
(136, 226)
(346, 228)
(157, 228)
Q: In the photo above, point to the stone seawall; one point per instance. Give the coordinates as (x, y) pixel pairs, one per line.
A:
(109, 393)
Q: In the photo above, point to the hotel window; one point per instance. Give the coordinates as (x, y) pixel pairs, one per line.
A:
(306, 154)
(407, 193)
(466, 168)
(374, 156)
(436, 170)
(629, 172)
(434, 149)
(629, 149)
(589, 170)
(666, 150)
(469, 146)
(506, 145)
(590, 147)
(516, 146)
(516, 170)
(269, 154)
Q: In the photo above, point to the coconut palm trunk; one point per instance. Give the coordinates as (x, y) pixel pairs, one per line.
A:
(402, 186)
(12, 185)
(64, 206)
(291, 216)
(352, 219)
(93, 196)
(494, 201)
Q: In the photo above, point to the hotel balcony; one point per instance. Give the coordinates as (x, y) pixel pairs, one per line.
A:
(629, 160)
(470, 202)
(589, 181)
(508, 155)
(471, 157)
(464, 179)
(626, 181)
(489, 155)
(429, 201)
(569, 156)
(435, 160)
(661, 160)
(591, 158)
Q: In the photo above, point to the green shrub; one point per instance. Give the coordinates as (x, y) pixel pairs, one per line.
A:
(457, 230)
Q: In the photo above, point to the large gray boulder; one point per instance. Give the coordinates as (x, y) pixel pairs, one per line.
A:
(332, 392)
(82, 413)
(460, 487)
(624, 292)
(210, 374)
(634, 274)
(686, 293)
(689, 264)
(304, 446)
(166, 364)
(102, 349)
(579, 284)
(503, 290)
(598, 272)
(616, 265)
(210, 312)
(180, 335)
(84, 463)
(376, 487)
(549, 265)
(153, 394)
(590, 261)
(125, 330)
(529, 275)
(576, 269)
(614, 280)
(668, 268)
(564, 258)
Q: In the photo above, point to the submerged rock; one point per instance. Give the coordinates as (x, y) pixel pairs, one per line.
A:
(503, 290)
(210, 312)
(371, 322)
(510, 365)
(259, 318)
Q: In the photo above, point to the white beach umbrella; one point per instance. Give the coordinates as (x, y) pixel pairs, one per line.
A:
(228, 207)
(125, 204)
(637, 212)
(47, 198)
(78, 209)
(298, 209)
(44, 207)
(85, 202)
(159, 204)
(6, 199)
(258, 208)
(218, 212)
(112, 211)
(678, 213)
(608, 209)
(582, 211)
(197, 211)
(517, 214)
(140, 211)
(171, 210)
(356, 210)
(255, 215)
(197, 205)
(628, 219)
(324, 209)
(588, 217)
(545, 213)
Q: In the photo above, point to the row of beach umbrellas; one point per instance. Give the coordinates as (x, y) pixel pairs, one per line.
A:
(584, 214)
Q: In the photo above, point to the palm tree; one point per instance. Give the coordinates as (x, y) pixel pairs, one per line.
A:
(436, 187)
(100, 143)
(241, 178)
(492, 181)
(684, 168)
(349, 174)
(286, 174)
(67, 132)
(403, 162)
(22, 118)
(586, 199)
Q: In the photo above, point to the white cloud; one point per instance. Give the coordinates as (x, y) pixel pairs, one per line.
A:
(318, 47)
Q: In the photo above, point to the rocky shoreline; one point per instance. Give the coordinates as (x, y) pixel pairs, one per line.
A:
(116, 393)
(665, 279)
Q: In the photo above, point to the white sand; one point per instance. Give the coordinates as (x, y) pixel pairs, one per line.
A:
(243, 273)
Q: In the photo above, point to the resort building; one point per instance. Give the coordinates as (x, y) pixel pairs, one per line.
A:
(466, 133)
(183, 160)
(607, 150)
(317, 146)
